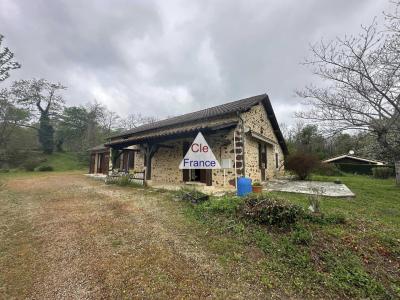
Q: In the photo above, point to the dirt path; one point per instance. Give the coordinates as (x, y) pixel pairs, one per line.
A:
(66, 236)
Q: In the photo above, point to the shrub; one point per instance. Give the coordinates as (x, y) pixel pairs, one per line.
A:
(302, 164)
(382, 172)
(44, 168)
(124, 180)
(325, 169)
(315, 203)
(30, 165)
(266, 209)
(226, 204)
(191, 195)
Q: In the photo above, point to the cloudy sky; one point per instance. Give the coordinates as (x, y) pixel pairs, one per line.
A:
(170, 57)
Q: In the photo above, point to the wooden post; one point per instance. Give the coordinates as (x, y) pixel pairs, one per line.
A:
(150, 150)
(397, 167)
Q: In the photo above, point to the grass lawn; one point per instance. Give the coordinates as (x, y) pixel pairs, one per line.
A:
(356, 258)
(65, 161)
(64, 235)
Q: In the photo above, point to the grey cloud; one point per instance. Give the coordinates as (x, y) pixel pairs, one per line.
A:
(171, 57)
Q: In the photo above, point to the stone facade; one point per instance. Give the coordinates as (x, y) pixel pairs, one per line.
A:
(256, 120)
(166, 160)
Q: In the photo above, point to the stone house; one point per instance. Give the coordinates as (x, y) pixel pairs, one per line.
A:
(244, 136)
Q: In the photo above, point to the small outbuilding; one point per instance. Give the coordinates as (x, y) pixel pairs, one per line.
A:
(99, 160)
(351, 159)
(244, 136)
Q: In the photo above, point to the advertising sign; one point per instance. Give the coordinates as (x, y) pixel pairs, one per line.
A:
(199, 156)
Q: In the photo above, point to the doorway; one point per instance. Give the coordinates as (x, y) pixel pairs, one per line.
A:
(262, 159)
(195, 175)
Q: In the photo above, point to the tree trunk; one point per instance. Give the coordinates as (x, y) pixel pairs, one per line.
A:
(46, 133)
(397, 167)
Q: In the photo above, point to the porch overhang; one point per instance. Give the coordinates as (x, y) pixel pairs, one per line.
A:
(262, 138)
(160, 136)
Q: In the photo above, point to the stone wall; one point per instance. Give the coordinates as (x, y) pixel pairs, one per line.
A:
(222, 147)
(257, 120)
(165, 162)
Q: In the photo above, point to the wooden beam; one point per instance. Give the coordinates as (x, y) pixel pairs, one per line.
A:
(150, 150)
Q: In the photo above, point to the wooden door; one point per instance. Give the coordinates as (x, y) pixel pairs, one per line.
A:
(262, 159)
(125, 161)
(100, 159)
(206, 176)
(92, 163)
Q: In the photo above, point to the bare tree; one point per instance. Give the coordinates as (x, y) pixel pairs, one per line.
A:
(96, 113)
(110, 121)
(135, 120)
(361, 88)
(6, 61)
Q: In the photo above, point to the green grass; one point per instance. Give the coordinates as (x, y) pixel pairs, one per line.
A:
(354, 252)
(64, 161)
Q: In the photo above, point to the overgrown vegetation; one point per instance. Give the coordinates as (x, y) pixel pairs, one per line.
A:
(348, 249)
(301, 164)
(325, 169)
(271, 210)
(44, 168)
(383, 172)
(37, 161)
(123, 180)
(191, 195)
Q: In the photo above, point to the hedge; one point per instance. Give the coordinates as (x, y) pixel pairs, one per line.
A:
(362, 168)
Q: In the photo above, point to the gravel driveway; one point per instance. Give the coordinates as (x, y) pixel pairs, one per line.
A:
(64, 236)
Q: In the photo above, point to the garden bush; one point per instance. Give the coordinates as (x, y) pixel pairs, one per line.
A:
(227, 204)
(267, 209)
(191, 195)
(123, 181)
(382, 172)
(44, 168)
(302, 164)
(325, 169)
(30, 165)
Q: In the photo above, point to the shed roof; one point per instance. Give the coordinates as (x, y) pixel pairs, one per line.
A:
(216, 111)
(333, 159)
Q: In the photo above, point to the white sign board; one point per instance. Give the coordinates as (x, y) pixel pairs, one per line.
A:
(199, 156)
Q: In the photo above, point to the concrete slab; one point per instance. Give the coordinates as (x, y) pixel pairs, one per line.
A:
(329, 189)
